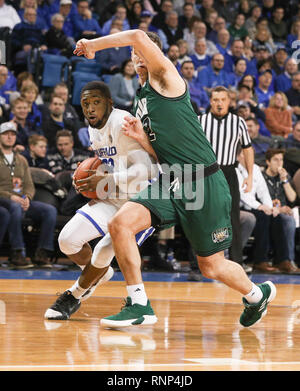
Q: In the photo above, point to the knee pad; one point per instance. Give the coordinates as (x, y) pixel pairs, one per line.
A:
(69, 243)
(103, 253)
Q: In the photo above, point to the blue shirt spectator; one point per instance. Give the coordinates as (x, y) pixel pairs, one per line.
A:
(200, 58)
(28, 32)
(7, 83)
(121, 16)
(84, 25)
(214, 75)
(197, 93)
(263, 91)
(40, 20)
(284, 81)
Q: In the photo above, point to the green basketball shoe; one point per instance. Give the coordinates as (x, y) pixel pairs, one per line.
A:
(253, 313)
(131, 315)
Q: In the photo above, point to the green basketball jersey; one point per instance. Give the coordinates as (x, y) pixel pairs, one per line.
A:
(173, 128)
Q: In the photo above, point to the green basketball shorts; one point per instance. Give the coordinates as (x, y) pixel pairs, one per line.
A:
(201, 207)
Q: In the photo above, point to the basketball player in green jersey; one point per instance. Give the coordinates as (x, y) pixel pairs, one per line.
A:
(168, 128)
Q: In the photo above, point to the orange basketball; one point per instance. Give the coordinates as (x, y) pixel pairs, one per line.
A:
(91, 163)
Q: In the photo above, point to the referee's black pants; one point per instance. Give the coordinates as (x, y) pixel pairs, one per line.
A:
(236, 249)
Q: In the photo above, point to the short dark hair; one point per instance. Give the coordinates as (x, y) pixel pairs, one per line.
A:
(97, 85)
(186, 62)
(252, 119)
(219, 89)
(272, 152)
(64, 133)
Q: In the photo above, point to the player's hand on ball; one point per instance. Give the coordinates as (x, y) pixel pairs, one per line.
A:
(84, 48)
(90, 183)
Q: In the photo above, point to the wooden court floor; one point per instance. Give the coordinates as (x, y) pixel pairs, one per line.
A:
(197, 330)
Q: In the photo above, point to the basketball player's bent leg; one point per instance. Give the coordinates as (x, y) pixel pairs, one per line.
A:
(210, 239)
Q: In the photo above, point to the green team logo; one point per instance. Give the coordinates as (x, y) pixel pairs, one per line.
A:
(219, 235)
(146, 122)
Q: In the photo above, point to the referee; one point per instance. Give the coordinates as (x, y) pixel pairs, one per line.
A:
(225, 131)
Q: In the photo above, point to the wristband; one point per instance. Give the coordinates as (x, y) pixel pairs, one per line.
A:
(285, 181)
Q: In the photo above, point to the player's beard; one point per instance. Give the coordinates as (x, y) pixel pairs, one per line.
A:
(101, 122)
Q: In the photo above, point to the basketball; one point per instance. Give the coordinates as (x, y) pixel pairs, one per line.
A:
(91, 163)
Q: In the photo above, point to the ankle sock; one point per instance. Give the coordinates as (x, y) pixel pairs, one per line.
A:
(77, 291)
(255, 295)
(137, 294)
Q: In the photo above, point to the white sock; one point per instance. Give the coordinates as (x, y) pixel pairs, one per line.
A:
(255, 295)
(137, 294)
(77, 291)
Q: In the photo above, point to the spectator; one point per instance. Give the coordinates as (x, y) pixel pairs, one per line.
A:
(263, 91)
(210, 19)
(294, 34)
(20, 110)
(267, 9)
(111, 59)
(278, 117)
(170, 32)
(8, 16)
(237, 29)
(188, 13)
(23, 78)
(293, 95)
(282, 193)
(61, 90)
(219, 24)
(199, 32)
(248, 52)
(206, 6)
(279, 60)
(17, 188)
(261, 52)
(158, 20)
(284, 81)
(260, 142)
(55, 121)
(36, 152)
(121, 15)
(249, 81)
(239, 71)
(197, 93)
(65, 7)
(64, 157)
(146, 17)
(255, 14)
(33, 4)
(214, 75)
(173, 56)
(134, 14)
(55, 38)
(85, 26)
(248, 108)
(226, 9)
(123, 86)
(278, 26)
(258, 201)
(200, 57)
(237, 52)
(183, 51)
(7, 84)
(30, 93)
(293, 140)
(26, 36)
(223, 42)
(263, 37)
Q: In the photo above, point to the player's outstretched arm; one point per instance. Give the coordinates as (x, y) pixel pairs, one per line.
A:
(144, 47)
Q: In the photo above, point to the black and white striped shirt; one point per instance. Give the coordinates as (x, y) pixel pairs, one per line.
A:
(224, 135)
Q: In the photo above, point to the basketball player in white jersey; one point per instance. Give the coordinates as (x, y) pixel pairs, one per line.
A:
(128, 170)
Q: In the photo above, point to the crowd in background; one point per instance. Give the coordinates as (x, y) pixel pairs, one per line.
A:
(250, 47)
